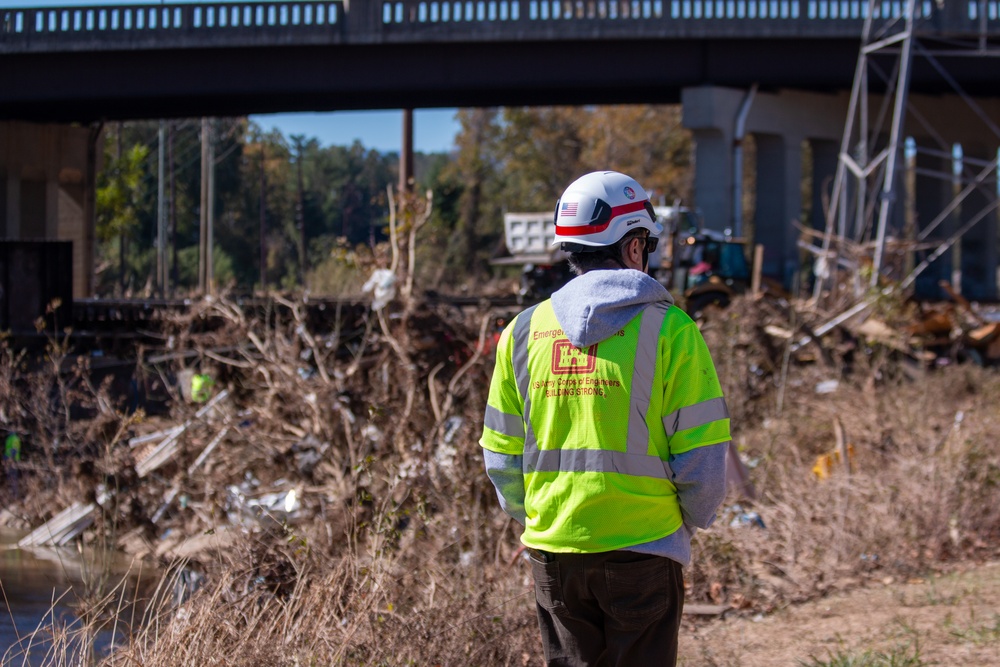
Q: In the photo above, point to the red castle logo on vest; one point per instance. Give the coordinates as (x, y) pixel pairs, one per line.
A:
(569, 360)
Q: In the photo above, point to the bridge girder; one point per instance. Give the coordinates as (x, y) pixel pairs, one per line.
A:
(68, 87)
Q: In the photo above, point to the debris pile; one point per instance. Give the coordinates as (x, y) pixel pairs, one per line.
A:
(273, 422)
(274, 419)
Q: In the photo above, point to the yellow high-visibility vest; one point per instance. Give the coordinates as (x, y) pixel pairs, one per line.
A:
(12, 447)
(596, 427)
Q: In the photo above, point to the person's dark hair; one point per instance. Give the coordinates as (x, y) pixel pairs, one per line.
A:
(587, 258)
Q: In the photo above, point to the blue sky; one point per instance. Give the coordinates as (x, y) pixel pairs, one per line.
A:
(434, 130)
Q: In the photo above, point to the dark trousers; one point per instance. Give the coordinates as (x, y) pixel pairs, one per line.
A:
(616, 608)
(12, 480)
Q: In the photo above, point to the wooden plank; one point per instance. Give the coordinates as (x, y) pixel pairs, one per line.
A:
(150, 437)
(758, 260)
(62, 528)
(982, 335)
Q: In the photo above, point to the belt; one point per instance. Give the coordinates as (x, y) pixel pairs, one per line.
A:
(541, 556)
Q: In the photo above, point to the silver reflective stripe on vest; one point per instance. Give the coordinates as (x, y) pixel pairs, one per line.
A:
(635, 461)
(504, 423)
(698, 414)
(643, 374)
(597, 460)
(522, 327)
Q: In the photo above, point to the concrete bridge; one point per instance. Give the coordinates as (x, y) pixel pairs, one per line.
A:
(187, 60)
(81, 64)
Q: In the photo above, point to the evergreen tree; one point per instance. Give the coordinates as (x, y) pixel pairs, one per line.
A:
(121, 207)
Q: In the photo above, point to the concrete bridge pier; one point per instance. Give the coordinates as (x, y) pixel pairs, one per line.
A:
(779, 204)
(944, 121)
(713, 175)
(47, 177)
(932, 192)
(979, 245)
(710, 113)
(780, 124)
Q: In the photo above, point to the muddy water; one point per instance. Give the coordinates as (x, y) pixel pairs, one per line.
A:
(45, 589)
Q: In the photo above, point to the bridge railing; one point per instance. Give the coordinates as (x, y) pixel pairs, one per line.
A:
(755, 17)
(164, 25)
(367, 21)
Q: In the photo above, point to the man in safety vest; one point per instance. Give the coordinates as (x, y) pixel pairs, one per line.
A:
(606, 435)
(201, 387)
(12, 447)
(12, 456)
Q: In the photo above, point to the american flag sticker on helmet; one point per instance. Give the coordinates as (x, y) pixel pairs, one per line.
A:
(568, 209)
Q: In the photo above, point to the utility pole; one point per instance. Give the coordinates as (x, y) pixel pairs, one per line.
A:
(206, 162)
(210, 252)
(406, 152)
(173, 206)
(300, 215)
(121, 236)
(161, 211)
(89, 207)
(263, 221)
(162, 254)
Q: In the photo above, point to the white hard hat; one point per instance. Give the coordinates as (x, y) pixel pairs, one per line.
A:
(600, 208)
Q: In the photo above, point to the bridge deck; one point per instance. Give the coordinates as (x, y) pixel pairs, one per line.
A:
(213, 58)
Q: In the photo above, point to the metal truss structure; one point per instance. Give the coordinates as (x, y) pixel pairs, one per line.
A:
(866, 213)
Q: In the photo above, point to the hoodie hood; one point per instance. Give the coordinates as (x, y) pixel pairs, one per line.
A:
(594, 306)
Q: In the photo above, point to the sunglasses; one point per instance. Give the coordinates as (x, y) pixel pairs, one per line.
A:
(651, 242)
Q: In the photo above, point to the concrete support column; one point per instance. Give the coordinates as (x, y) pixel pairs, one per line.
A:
(824, 169)
(51, 207)
(710, 113)
(47, 175)
(55, 149)
(10, 185)
(11, 229)
(779, 203)
(932, 185)
(84, 283)
(979, 244)
(713, 178)
(779, 121)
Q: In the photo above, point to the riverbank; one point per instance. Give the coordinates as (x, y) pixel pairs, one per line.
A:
(50, 594)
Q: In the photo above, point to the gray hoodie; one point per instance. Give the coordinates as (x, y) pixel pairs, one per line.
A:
(590, 308)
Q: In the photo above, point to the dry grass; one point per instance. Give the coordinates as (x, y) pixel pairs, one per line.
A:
(405, 559)
(352, 611)
(921, 493)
